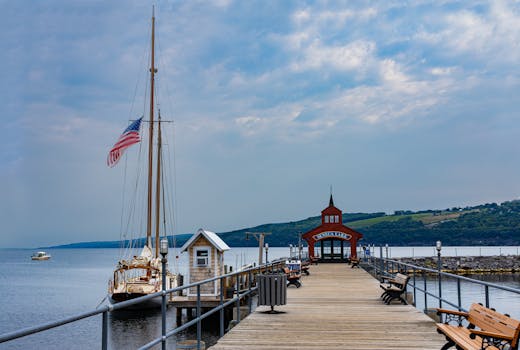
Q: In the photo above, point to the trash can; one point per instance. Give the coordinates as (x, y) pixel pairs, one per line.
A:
(272, 289)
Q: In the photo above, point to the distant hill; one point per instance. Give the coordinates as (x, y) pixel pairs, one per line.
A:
(487, 224)
(139, 243)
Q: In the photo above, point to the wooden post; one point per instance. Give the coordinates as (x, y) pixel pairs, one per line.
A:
(260, 237)
(179, 316)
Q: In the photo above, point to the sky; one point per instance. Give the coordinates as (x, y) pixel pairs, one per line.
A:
(396, 105)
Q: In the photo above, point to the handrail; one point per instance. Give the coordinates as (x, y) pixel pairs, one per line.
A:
(43, 327)
(381, 266)
(251, 272)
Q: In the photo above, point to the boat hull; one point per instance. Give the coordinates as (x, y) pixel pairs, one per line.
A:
(40, 258)
(150, 303)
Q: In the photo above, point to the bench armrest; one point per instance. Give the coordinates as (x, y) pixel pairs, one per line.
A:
(452, 312)
(386, 279)
(485, 334)
(491, 339)
(452, 315)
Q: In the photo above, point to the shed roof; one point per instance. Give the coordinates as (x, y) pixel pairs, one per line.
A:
(212, 237)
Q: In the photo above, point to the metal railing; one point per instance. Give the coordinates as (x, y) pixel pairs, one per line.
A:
(243, 283)
(381, 267)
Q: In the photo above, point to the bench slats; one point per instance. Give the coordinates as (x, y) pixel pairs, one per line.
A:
(489, 323)
(394, 289)
(492, 321)
(461, 336)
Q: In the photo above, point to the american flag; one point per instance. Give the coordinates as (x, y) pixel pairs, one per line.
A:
(127, 139)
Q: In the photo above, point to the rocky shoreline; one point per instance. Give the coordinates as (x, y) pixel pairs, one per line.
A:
(469, 264)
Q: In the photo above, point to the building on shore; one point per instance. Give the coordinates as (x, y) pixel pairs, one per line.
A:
(331, 240)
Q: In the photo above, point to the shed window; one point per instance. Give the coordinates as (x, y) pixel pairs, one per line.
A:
(336, 218)
(326, 219)
(202, 257)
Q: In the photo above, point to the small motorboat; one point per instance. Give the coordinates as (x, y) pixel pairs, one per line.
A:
(40, 256)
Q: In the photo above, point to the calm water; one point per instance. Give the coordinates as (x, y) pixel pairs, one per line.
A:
(75, 280)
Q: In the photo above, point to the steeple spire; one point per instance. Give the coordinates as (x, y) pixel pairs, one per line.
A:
(331, 201)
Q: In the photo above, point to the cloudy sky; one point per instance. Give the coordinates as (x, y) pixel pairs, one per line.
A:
(395, 104)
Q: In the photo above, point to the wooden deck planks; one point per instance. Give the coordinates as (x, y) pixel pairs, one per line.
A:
(336, 308)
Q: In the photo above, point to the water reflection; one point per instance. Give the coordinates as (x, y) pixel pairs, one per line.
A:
(130, 329)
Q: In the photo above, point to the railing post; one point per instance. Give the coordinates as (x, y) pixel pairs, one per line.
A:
(439, 267)
(425, 292)
(221, 310)
(250, 299)
(487, 295)
(104, 334)
(381, 260)
(199, 326)
(163, 304)
(414, 289)
(238, 298)
(459, 295)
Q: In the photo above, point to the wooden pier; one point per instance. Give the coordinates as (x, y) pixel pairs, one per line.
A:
(336, 308)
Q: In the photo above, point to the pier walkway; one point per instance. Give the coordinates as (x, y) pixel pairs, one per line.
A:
(336, 308)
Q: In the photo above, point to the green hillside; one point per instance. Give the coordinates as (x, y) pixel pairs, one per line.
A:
(487, 224)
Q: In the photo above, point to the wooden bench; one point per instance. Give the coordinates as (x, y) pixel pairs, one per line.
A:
(487, 329)
(305, 267)
(293, 277)
(394, 288)
(314, 259)
(354, 262)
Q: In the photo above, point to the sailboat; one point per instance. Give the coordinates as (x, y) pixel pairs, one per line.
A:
(141, 274)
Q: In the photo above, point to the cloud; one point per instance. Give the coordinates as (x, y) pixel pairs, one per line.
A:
(249, 83)
(491, 36)
(348, 57)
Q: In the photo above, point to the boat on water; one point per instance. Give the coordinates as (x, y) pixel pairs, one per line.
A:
(40, 256)
(140, 273)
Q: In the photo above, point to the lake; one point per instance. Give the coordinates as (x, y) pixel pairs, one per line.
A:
(75, 280)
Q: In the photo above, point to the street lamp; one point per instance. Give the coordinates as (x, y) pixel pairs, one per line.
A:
(266, 252)
(300, 247)
(438, 246)
(163, 249)
(386, 258)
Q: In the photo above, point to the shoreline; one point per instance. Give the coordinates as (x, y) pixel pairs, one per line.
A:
(469, 265)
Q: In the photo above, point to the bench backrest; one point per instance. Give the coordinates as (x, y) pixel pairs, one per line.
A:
(401, 279)
(492, 321)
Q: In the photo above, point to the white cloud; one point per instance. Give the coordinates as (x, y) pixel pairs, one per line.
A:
(338, 18)
(491, 36)
(442, 70)
(391, 72)
(347, 57)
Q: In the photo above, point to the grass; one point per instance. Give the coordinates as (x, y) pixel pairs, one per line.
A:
(425, 218)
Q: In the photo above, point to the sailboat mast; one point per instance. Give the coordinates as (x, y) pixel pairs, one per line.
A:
(158, 186)
(150, 141)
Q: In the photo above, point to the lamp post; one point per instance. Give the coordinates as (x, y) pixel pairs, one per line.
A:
(266, 252)
(438, 246)
(300, 247)
(163, 249)
(290, 251)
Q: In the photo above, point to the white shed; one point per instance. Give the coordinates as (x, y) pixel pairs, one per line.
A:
(206, 260)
